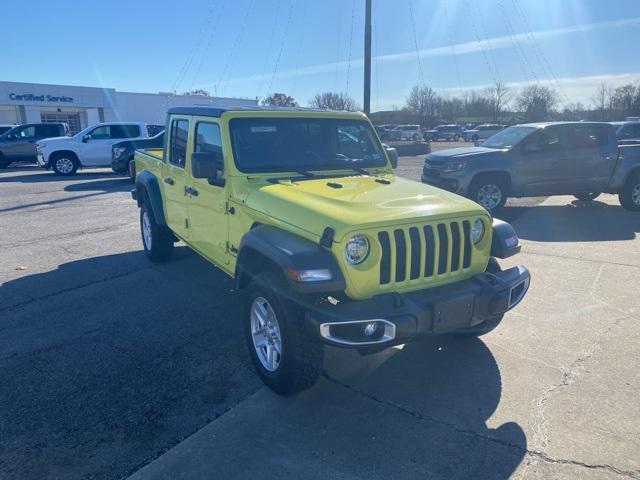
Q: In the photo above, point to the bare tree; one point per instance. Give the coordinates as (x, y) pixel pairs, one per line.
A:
(623, 100)
(537, 103)
(499, 97)
(602, 101)
(424, 101)
(334, 101)
(280, 100)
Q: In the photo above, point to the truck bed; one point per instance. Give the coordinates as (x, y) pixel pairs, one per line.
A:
(156, 153)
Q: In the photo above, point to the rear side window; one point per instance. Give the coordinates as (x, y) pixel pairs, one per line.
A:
(587, 136)
(125, 131)
(46, 131)
(178, 142)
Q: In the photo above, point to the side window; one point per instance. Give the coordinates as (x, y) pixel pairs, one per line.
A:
(208, 140)
(178, 142)
(101, 133)
(125, 131)
(587, 136)
(27, 132)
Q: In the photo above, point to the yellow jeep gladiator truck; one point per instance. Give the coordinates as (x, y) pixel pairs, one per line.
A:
(303, 209)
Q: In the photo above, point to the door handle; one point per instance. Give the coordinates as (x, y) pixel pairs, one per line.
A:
(191, 191)
(169, 181)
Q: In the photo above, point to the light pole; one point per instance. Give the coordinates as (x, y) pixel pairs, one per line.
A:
(367, 58)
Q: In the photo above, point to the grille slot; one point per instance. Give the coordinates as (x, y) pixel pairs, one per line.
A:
(424, 251)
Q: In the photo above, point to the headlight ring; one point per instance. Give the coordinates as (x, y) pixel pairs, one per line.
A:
(357, 249)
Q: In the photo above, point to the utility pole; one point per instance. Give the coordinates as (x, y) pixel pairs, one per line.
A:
(367, 58)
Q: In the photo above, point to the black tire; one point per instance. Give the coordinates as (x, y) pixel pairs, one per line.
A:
(475, 138)
(587, 197)
(64, 164)
(159, 248)
(301, 352)
(456, 137)
(629, 196)
(131, 170)
(489, 324)
(4, 162)
(416, 137)
(487, 184)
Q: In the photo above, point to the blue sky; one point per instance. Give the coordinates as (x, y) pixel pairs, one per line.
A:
(249, 48)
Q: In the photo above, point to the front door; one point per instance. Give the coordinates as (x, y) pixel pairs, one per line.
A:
(208, 217)
(543, 163)
(96, 150)
(174, 177)
(21, 144)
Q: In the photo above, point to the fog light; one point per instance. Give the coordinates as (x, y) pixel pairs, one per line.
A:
(370, 329)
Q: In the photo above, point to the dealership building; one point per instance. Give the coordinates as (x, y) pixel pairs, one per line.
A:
(80, 107)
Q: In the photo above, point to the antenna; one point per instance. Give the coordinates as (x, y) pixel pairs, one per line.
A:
(367, 58)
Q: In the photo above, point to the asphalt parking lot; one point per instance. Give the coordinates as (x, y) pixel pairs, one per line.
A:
(107, 361)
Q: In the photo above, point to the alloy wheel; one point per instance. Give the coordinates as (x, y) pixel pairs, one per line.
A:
(146, 230)
(489, 196)
(64, 165)
(635, 194)
(265, 333)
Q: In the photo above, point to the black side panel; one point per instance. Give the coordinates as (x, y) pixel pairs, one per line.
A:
(431, 251)
(504, 243)
(466, 259)
(455, 246)
(416, 261)
(444, 248)
(147, 183)
(290, 251)
(401, 255)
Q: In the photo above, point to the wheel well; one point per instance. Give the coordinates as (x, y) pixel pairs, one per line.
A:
(501, 175)
(633, 173)
(59, 153)
(250, 263)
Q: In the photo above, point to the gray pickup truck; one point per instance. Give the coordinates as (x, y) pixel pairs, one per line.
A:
(562, 158)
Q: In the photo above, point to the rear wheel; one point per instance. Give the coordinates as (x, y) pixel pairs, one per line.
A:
(630, 194)
(157, 240)
(416, 137)
(489, 192)
(456, 137)
(64, 164)
(587, 197)
(286, 354)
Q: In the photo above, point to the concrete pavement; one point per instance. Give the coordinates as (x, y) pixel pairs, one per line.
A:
(552, 393)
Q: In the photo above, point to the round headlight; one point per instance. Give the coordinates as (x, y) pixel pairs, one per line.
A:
(357, 249)
(477, 231)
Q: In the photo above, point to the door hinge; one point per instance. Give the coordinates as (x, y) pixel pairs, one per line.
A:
(228, 209)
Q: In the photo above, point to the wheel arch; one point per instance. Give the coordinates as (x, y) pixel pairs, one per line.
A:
(58, 153)
(501, 174)
(266, 246)
(147, 186)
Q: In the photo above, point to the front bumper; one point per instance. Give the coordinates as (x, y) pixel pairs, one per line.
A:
(396, 318)
(41, 161)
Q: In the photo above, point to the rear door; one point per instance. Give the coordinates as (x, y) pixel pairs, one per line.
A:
(541, 163)
(21, 144)
(208, 219)
(174, 176)
(591, 157)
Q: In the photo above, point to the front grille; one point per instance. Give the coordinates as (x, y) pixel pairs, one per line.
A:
(424, 251)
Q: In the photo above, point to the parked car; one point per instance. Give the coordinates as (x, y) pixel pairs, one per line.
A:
(122, 153)
(153, 130)
(19, 143)
(330, 245)
(627, 130)
(388, 133)
(5, 128)
(445, 132)
(409, 132)
(482, 132)
(541, 159)
(89, 148)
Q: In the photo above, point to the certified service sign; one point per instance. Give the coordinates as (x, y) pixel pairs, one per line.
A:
(30, 97)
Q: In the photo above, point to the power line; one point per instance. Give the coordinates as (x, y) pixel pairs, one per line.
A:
(284, 39)
(415, 43)
(453, 45)
(300, 46)
(269, 48)
(474, 27)
(353, 14)
(207, 47)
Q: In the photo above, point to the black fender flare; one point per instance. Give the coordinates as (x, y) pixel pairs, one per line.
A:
(147, 185)
(504, 243)
(289, 253)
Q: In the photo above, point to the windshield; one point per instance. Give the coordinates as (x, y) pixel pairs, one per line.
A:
(294, 144)
(508, 137)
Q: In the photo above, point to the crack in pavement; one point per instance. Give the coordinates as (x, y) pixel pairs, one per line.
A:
(466, 431)
(569, 376)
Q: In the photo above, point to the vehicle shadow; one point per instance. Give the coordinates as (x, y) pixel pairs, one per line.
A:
(453, 384)
(117, 184)
(116, 359)
(577, 221)
(37, 175)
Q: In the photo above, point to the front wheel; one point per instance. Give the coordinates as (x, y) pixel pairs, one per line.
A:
(286, 354)
(4, 162)
(587, 197)
(456, 137)
(416, 137)
(65, 165)
(489, 193)
(629, 196)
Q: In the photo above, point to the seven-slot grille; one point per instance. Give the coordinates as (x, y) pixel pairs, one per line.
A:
(423, 251)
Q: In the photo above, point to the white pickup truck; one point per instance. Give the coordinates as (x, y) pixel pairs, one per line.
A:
(89, 148)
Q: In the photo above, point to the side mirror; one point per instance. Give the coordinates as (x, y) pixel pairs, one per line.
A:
(86, 138)
(392, 153)
(204, 165)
